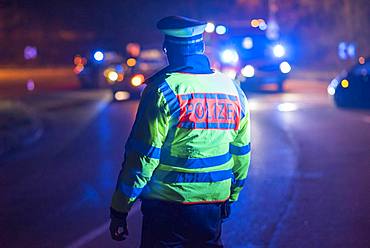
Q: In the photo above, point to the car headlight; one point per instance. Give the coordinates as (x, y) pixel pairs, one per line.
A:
(121, 95)
(332, 86)
(331, 90)
(278, 50)
(137, 80)
(112, 76)
(334, 83)
(229, 56)
(285, 67)
(248, 71)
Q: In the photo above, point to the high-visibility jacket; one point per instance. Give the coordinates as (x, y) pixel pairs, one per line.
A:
(190, 142)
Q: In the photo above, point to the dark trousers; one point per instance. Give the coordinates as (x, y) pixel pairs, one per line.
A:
(168, 224)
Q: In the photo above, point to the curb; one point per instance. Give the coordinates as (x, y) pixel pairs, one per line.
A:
(20, 126)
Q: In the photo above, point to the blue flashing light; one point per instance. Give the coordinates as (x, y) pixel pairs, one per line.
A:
(247, 43)
(285, 67)
(221, 29)
(279, 50)
(262, 26)
(248, 71)
(351, 50)
(230, 56)
(98, 56)
(210, 27)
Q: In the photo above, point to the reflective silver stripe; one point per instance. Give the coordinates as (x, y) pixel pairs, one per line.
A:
(183, 41)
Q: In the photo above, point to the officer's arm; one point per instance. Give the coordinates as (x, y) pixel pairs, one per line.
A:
(240, 150)
(142, 150)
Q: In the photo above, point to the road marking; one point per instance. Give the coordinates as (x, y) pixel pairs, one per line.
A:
(90, 236)
(83, 240)
(287, 107)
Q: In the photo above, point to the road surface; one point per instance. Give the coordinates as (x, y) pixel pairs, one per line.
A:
(308, 184)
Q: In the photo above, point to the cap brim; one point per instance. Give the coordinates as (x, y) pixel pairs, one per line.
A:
(185, 32)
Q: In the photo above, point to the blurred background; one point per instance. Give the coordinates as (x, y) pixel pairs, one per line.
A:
(71, 76)
(316, 28)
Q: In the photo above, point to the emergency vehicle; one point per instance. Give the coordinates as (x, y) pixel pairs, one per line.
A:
(247, 54)
(124, 75)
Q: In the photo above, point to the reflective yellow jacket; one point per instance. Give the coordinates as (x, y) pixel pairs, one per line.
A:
(190, 142)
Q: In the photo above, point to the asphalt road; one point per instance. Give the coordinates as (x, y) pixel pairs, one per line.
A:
(308, 184)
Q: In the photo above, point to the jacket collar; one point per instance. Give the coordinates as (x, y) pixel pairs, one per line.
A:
(196, 63)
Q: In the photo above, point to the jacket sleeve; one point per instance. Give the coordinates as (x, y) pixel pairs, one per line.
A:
(142, 150)
(240, 150)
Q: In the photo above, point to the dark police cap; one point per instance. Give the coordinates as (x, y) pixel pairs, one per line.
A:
(179, 26)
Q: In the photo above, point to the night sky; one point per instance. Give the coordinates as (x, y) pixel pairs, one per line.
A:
(122, 20)
(79, 26)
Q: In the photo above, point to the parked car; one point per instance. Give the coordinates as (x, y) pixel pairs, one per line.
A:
(124, 76)
(352, 88)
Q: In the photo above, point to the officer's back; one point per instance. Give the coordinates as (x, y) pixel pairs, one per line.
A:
(188, 154)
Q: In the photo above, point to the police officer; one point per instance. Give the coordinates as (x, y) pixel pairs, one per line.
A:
(188, 153)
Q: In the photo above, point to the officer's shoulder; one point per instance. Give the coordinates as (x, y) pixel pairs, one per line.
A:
(154, 83)
(157, 79)
(235, 82)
